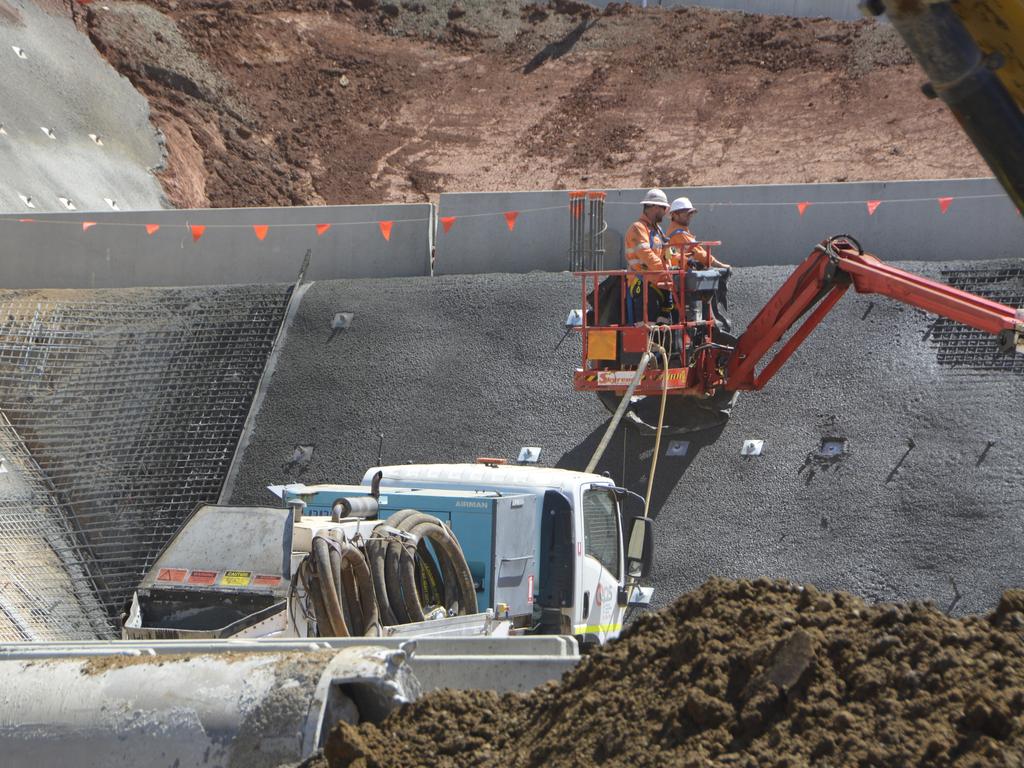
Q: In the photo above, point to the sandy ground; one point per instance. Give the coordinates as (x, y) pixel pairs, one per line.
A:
(306, 102)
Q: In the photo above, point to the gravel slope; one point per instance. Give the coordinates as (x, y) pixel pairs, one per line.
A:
(922, 506)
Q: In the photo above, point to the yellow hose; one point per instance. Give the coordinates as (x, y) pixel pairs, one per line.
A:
(661, 423)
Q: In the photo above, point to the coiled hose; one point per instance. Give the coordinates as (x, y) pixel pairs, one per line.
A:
(407, 569)
(337, 580)
(412, 578)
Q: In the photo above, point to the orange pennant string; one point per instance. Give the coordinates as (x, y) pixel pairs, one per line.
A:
(802, 207)
(873, 206)
(447, 222)
(152, 229)
(321, 228)
(87, 225)
(260, 230)
(385, 228)
(944, 203)
(197, 231)
(510, 219)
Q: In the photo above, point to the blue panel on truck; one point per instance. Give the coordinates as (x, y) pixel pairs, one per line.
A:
(497, 535)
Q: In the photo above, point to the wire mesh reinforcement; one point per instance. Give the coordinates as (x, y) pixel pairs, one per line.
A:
(958, 345)
(131, 404)
(45, 592)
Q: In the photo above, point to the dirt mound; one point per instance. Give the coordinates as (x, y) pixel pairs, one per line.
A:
(747, 674)
(358, 101)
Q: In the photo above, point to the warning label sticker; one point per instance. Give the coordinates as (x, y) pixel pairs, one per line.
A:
(262, 580)
(176, 575)
(203, 578)
(236, 578)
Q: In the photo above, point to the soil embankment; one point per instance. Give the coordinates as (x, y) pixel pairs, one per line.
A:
(299, 102)
(743, 673)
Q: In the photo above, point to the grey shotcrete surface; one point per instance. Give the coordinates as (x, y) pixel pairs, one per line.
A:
(64, 85)
(449, 369)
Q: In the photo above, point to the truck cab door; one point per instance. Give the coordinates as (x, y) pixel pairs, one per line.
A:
(601, 567)
(556, 563)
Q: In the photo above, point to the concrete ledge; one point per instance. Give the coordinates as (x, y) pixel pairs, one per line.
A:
(759, 225)
(54, 251)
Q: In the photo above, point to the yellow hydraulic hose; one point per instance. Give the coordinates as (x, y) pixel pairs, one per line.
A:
(661, 423)
(652, 350)
(620, 411)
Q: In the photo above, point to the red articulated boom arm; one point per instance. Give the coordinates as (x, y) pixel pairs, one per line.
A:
(821, 281)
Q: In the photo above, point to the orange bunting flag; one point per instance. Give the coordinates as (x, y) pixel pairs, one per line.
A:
(152, 229)
(385, 228)
(802, 207)
(873, 206)
(87, 225)
(447, 222)
(197, 231)
(321, 228)
(260, 230)
(510, 219)
(944, 203)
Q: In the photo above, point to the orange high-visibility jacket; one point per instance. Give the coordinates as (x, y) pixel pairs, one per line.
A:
(680, 256)
(644, 247)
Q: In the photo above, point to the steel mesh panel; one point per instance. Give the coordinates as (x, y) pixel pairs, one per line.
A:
(958, 345)
(131, 404)
(45, 593)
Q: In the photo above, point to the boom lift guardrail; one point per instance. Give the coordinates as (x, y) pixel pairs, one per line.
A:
(711, 365)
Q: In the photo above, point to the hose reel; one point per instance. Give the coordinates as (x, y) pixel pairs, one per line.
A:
(408, 570)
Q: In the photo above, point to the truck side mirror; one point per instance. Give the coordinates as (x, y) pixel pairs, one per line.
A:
(640, 548)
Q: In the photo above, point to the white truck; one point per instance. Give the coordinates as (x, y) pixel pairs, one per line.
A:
(223, 661)
(562, 546)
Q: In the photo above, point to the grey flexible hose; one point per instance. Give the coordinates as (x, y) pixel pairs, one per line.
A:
(328, 594)
(460, 592)
(342, 590)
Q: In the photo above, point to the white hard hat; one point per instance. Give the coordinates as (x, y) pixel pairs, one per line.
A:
(681, 204)
(656, 197)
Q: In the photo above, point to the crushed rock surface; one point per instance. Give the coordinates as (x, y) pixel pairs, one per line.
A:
(742, 673)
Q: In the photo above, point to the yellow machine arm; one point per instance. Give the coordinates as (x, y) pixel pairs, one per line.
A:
(973, 53)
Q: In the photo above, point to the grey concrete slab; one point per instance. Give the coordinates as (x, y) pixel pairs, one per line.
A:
(757, 224)
(64, 85)
(53, 251)
(452, 368)
(480, 239)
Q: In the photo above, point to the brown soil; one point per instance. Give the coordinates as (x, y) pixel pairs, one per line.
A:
(742, 673)
(8, 13)
(355, 101)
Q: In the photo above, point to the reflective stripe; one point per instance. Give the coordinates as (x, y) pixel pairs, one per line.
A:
(593, 629)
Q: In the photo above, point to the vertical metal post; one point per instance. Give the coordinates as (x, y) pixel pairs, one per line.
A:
(577, 223)
(598, 227)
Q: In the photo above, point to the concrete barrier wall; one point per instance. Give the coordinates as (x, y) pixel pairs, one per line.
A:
(836, 9)
(480, 240)
(54, 252)
(758, 225)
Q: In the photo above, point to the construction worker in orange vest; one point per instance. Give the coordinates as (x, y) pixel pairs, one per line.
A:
(645, 242)
(679, 257)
